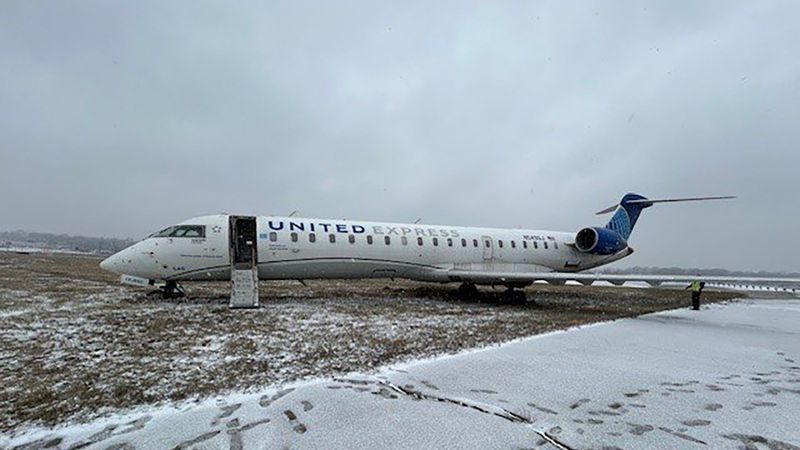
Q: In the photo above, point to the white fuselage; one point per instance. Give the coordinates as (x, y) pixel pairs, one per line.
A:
(299, 248)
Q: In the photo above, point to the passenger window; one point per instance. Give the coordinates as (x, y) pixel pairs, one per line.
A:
(555, 245)
(449, 242)
(404, 240)
(351, 238)
(513, 244)
(435, 242)
(273, 236)
(524, 244)
(387, 240)
(463, 242)
(332, 238)
(535, 244)
(312, 237)
(545, 245)
(369, 239)
(419, 241)
(475, 243)
(294, 237)
(500, 244)
(488, 244)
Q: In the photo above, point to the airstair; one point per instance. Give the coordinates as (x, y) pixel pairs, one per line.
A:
(244, 262)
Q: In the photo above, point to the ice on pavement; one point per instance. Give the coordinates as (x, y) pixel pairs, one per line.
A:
(727, 376)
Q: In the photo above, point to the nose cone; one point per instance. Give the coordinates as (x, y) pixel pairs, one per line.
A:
(111, 263)
(137, 260)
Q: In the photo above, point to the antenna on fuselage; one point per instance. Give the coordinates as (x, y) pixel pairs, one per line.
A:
(417, 221)
(292, 213)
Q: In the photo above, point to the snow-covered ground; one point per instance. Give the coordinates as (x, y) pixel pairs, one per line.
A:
(724, 377)
(75, 345)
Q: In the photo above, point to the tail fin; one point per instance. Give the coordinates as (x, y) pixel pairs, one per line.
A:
(626, 213)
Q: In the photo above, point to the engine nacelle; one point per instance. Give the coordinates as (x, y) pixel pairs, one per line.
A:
(599, 241)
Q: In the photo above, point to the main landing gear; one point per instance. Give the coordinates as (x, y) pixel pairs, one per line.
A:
(468, 291)
(170, 289)
(514, 296)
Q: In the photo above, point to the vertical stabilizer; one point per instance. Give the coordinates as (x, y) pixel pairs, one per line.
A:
(627, 213)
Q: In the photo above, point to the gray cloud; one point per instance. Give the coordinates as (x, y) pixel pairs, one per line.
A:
(118, 118)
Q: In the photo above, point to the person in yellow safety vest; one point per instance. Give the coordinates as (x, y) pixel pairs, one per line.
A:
(697, 288)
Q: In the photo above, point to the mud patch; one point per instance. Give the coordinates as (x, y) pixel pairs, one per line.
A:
(297, 426)
(194, 441)
(681, 435)
(267, 401)
(483, 391)
(543, 409)
(580, 402)
(639, 429)
(751, 442)
(696, 422)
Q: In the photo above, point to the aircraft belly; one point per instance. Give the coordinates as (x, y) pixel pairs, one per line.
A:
(335, 268)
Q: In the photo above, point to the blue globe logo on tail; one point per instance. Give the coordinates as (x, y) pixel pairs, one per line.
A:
(627, 213)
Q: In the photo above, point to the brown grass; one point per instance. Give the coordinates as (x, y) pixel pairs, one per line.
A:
(74, 343)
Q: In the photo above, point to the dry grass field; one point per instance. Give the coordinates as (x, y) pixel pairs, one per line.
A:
(75, 344)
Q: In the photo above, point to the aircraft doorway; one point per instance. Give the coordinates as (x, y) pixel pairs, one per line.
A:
(487, 243)
(244, 262)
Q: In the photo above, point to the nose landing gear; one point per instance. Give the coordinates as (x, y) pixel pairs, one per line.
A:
(170, 289)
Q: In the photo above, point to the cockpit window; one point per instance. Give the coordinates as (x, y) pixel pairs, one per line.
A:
(189, 231)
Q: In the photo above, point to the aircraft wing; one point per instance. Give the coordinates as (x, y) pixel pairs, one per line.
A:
(489, 277)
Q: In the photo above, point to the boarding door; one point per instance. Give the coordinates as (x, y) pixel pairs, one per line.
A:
(487, 243)
(244, 262)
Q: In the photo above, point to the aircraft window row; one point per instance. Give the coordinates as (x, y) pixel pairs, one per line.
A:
(196, 231)
(189, 231)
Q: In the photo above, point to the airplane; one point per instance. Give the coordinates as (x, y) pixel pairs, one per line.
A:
(245, 249)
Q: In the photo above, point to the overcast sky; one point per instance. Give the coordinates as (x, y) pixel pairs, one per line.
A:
(118, 118)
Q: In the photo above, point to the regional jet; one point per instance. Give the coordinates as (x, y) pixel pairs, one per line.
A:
(245, 249)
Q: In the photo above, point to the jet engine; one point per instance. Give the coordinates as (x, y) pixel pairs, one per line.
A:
(599, 241)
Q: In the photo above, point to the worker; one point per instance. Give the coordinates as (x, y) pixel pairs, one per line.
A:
(697, 288)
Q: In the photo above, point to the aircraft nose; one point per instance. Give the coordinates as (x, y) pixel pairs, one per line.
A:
(110, 263)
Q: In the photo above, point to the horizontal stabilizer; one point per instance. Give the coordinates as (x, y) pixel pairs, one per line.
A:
(686, 199)
(649, 202)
